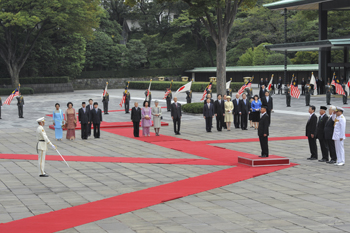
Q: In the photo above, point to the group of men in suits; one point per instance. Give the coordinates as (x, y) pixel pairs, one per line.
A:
(330, 131)
(88, 115)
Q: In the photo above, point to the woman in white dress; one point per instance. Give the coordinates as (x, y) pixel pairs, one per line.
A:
(228, 113)
(156, 113)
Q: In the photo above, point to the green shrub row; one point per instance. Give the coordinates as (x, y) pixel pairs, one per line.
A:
(8, 91)
(163, 85)
(130, 73)
(193, 108)
(37, 80)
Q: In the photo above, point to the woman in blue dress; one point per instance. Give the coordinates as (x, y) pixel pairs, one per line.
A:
(58, 121)
(256, 107)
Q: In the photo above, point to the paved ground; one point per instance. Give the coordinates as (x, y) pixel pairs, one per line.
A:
(310, 197)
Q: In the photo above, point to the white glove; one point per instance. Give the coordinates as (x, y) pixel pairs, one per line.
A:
(53, 146)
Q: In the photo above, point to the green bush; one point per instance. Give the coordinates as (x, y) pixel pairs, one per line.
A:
(130, 73)
(163, 85)
(37, 80)
(193, 108)
(24, 91)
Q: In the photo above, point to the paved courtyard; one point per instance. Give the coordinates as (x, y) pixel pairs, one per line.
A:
(309, 197)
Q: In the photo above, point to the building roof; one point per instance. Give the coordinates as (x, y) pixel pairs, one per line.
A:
(267, 68)
(295, 4)
(310, 45)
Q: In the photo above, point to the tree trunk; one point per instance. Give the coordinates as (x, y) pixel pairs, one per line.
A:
(13, 70)
(221, 65)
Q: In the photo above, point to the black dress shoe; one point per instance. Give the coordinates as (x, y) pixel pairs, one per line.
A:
(44, 175)
(178, 133)
(331, 162)
(263, 156)
(322, 160)
(311, 158)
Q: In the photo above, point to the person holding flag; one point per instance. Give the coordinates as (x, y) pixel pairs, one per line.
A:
(270, 85)
(148, 94)
(125, 99)
(313, 84)
(168, 96)
(328, 94)
(207, 89)
(307, 94)
(345, 96)
(20, 104)
(105, 100)
(11, 96)
(338, 88)
(189, 96)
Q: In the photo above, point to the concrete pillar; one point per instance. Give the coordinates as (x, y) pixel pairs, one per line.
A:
(324, 72)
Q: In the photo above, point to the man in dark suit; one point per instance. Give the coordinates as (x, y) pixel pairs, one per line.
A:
(261, 82)
(168, 100)
(105, 100)
(127, 102)
(288, 96)
(266, 83)
(279, 85)
(20, 104)
(219, 111)
(96, 118)
(328, 134)
(176, 115)
(136, 118)
(268, 101)
(311, 127)
(320, 133)
(244, 107)
(303, 83)
(84, 118)
(208, 114)
(209, 97)
(262, 91)
(90, 107)
(236, 110)
(263, 132)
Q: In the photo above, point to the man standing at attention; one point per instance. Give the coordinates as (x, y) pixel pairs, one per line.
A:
(263, 132)
(311, 127)
(339, 135)
(320, 133)
(244, 111)
(236, 110)
(219, 110)
(105, 101)
(208, 114)
(176, 115)
(84, 118)
(41, 147)
(20, 104)
(268, 101)
(90, 107)
(96, 118)
(136, 118)
(328, 133)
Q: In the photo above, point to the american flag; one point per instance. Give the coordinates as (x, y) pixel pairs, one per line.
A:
(166, 94)
(206, 91)
(240, 91)
(294, 91)
(11, 96)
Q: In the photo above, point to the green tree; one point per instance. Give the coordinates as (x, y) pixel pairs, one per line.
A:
(247, 58)
(136, 54)
(303, 57)
(260, 54)
(23, 22)
(234, 54)
(276, 59)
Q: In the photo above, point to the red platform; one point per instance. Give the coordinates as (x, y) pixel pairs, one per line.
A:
(112, 125)
(256, 161)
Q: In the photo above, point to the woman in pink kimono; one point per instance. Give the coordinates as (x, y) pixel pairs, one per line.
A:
(146, 122)
(71, 121)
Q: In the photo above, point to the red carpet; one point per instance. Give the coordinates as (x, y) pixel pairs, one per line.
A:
(104, 124)
(253, 140)
(104, 159)
(94, 211)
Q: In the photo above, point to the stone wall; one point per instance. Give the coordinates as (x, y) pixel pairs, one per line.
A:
(113, 83)
(50, 88)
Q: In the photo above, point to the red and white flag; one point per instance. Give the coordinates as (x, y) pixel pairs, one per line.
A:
(105, 91)
(347, 87)
(184, 88)
(270, 84)
(166, 94)
(149, 88)
(206, 91)
(11, 96)
(122, 101)
(339, 89)
(313, 82)
(295, 92)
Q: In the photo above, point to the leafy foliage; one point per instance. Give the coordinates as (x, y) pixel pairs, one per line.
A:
(196, 108)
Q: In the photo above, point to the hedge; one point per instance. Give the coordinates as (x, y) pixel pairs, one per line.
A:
(193, 107)
(130, 73)
(163, 85)
(37, 80)
(24, 91)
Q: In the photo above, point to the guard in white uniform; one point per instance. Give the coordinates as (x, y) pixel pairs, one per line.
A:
(339, 135)
(41, 147)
